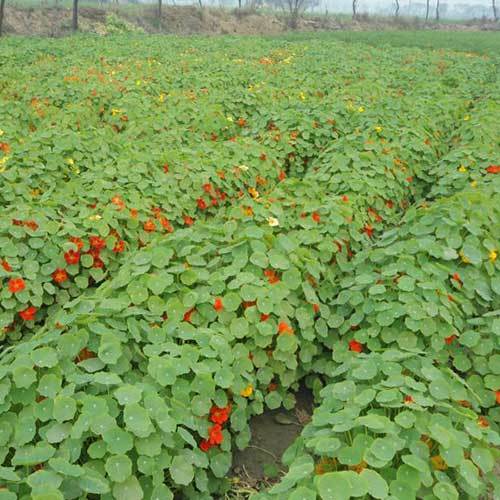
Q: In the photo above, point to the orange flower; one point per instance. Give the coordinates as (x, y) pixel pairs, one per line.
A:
(493, 169)
(281, 176)
(187, 315)
(97, 242)
(201, 203)
(271, 275)
(149, 226)
(7, 267)
(355, 346)
(408, 399)
(77, 241)
(205, 445)
(483, 422)
(60, 275)
(456, 278)
(118, 202)
(497, 396)
(134, 213)
(207, 187)
(449, 340)
(28, 314)
(119, 246)
(345, 198)
(316, 217)
(4, 147)
(84, 354)
(165, 167)
(241, 122)
(368, 230)
(215, 436)
(165, 224)
(284, 328)
(31, 224)
(188, 220)
(218, 304)
(264, 317)
(389, 204)
(16, 285)
(316, 308)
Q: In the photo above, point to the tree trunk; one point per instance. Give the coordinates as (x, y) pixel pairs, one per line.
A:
(396, 14)
(201, 5)
(493, 5)
(239, 4)
(74, 23)
(159, 11)
(427, 5)
(354, 2)
(2, 5)
(437, 11)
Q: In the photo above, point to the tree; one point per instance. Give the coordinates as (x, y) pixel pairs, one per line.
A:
(437, 11)
(2, 5)
(354, 7)
(427, 5)
(295, 9)
(74, 23)
(493, 6)
(396, 13)
(159, 12)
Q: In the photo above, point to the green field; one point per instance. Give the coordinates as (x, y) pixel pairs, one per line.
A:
(192, 228)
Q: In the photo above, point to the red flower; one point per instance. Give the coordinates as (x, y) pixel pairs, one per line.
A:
(60, 275)
(77, 241)
(284, 328)
(149, 226)
(134, 213)
(315, 217)
(218, 304)
(281, 175)
(201, 203)
(493, 169)
(16, 285)
(17, 222)
(6, 266)
(249, 303)
(28, 314)
(355, 346)
(409, 179)
(97, 242)
(205, 445)
(497, 395)
(214, 202)
(31, 224)
(220, 415)
(84, 354)
(165, 168)
(4, 147)
(449, 340)
(71, 257)
(368, 230)
(119, 246)
(187, 315)
(456, 277)
(316, 308)
(221, 195)
(408, 400)
(389, 204)
(98, 263)
(241, 122)
(189, 221)
(215, 435)
(207, 187)
(345, 198)
(264, 317)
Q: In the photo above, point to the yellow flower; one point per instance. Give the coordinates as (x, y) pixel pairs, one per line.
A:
(115, 112)
(272, 221)
(302, 96)
(161, 98)
(243, 168)
(247, 391)
(378, 129)
(229, 118)
(473, 184)
(95, 217)
(493, 255)
(70, 161)
(466, 118)
(361, 109)
(138, 82)
(35, 193)
(253, 193)
(1, 132)
(462, 169)
(465, 260)
(3, 161)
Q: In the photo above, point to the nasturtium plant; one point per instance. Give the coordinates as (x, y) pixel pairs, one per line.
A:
(192, 229)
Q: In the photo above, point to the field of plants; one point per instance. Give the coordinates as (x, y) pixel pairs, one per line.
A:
(193, 227)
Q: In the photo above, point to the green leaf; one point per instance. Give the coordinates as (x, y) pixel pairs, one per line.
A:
(377, 486)
(181, 471)
(64, 408)
(445, 491)
(118, 467)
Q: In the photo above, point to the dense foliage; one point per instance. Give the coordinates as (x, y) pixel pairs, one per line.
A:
(191, 227)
